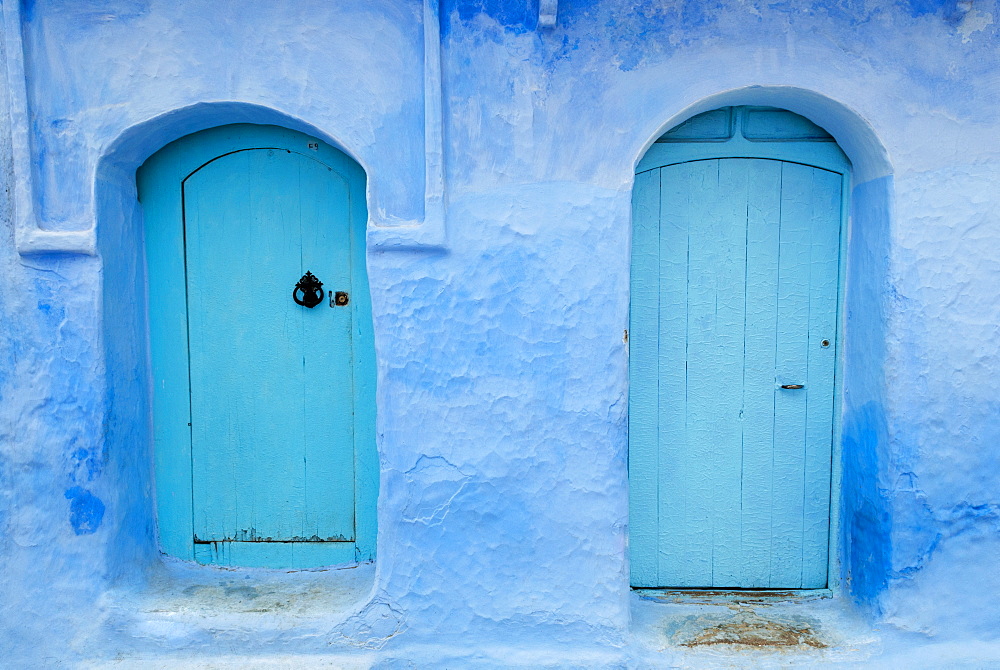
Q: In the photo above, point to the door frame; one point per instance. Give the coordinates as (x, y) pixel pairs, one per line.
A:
(826, 155)
(158, 183)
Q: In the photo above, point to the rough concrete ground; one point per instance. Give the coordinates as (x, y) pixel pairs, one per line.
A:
(715, 629)
(746, 630)
(208, 624)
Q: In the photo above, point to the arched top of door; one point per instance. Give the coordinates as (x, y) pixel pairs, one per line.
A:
(747, 132)
(848, 124)
(135, 144)
(185, 156)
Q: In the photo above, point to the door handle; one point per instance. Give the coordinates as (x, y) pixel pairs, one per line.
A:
(312, 291)
(793, 386)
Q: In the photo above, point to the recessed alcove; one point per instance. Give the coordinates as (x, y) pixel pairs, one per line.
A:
(859, 538)
(146, 581)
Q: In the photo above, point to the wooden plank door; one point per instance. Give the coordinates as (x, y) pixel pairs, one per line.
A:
(735, 277)
(276, 399)
(271, 383)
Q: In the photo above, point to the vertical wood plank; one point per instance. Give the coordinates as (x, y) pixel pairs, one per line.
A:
(675, 534)
(791, 362)
(763, 218)
(643, 379)
(823, 293)
(724, 393)
(327, 356)
(162, 216)
(216, 239)
(709, 454)
(270, 371)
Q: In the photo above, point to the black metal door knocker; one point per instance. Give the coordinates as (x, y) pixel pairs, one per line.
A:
(312, 291)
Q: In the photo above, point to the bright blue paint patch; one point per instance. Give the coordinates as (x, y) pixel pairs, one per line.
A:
(96, 11)
(914, 529)
(513, 16)
(49, 303)
(696, 13)
(866, 510)
(86, 465)
(918, 8)
(86, 511)
(866, 517)
(571, 8)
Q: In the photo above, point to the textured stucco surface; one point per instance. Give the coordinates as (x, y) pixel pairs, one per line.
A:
(502, 393)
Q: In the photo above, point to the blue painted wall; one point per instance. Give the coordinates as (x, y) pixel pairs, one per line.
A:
(502, 368)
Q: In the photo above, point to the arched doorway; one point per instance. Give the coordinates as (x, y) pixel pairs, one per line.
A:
(738, 228)
(263, 380)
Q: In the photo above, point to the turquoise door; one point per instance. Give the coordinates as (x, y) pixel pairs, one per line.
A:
(264, 431)
(733, 345)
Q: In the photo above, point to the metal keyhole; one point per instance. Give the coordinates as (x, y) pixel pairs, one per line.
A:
(311, 289)
(340, 298)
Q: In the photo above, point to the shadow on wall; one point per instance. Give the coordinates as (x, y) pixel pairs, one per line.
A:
(865, 520)
(130, 515)
(866, 549)
(865, 505)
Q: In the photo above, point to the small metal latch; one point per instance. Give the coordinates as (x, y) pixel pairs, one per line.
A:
(793, 386)
(339, 299)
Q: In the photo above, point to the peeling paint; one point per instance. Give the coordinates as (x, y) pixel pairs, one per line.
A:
(974, 21)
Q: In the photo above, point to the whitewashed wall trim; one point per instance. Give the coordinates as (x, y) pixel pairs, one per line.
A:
(431, 232)
(31, 236)
(547, 12)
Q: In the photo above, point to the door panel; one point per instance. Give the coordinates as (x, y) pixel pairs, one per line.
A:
(263, 409)
(757, 485)
(271, 383)
(821, 367)
(744, 257)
